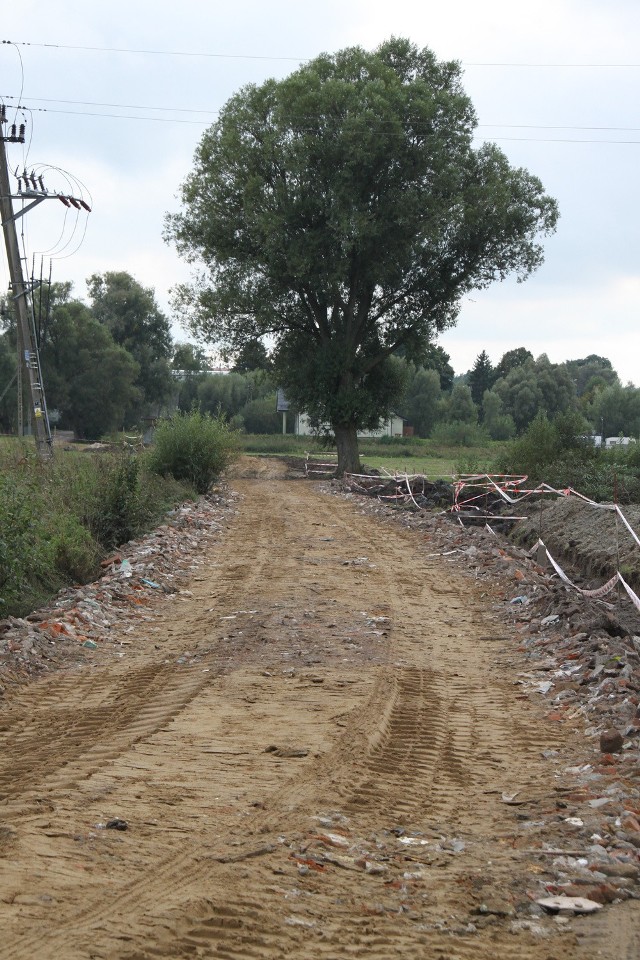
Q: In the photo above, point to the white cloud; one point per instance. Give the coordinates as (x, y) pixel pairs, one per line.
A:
(564, 324)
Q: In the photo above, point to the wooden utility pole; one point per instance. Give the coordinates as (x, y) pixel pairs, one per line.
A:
(21, 294)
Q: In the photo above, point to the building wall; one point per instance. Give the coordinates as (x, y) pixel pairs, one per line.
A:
(388, 428)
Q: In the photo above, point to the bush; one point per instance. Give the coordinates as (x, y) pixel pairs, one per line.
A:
(260, 416)
(555, 453)
(458, 434)
(194, 448)
(120, 509)
(42, 546)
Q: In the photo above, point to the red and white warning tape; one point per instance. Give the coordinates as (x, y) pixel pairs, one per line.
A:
(600, 591)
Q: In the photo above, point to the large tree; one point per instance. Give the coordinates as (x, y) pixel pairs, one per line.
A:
(422, 399)
(536, 386)
(343, 212)
(135, 321)
(481, 378)
(88, 378)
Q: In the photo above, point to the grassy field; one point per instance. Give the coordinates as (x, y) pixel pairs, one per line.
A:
(435, 467)
(404, 454)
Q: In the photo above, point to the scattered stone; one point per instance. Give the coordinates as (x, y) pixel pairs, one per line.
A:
(611, 741)
(155, 566)
(496, 908)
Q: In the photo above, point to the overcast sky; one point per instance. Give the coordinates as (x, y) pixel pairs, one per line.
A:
(129, 88)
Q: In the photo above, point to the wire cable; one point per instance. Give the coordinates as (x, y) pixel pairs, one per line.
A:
(204, 123)
(252, 56)
(215, 113)
(161, 53)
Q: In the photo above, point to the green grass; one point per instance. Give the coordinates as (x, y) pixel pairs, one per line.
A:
(404, 454)
(433, 467)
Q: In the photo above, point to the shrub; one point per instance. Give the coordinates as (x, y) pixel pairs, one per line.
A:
(555, 453)
(121, 509)
(458, 434)
(193, 447)
(41, 547)
(260, 416)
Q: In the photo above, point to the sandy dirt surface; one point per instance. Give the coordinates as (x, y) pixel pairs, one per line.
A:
(309, 754)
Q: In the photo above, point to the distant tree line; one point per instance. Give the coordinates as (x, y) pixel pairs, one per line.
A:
(110, 363)
(488, 402)
(500, 402)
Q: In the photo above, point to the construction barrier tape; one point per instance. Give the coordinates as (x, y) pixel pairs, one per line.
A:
(635, 600)
(600, 591)
(626, 523)
(514, 482)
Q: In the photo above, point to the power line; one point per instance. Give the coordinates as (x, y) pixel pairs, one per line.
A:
(215, 113)
(252, 56)
(119, 106)
(557, 66)
(124, 116)
(160, 53)
(116, 116)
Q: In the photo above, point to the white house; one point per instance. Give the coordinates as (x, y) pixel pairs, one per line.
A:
(393, 427)
(618, 442)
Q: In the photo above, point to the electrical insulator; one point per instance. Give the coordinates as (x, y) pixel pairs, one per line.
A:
(22, 129)
(13, 130)
(3, 113)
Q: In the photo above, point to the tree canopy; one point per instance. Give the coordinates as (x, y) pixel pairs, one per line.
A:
(132, 316)
(88, 377)
(344, 211)
(481, 377)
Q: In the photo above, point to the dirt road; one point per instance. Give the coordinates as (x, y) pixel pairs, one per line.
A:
(309, 755)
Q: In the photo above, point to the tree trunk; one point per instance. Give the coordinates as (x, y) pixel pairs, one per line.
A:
(347, 446)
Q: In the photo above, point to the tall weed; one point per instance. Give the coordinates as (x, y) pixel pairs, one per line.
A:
(194, 448)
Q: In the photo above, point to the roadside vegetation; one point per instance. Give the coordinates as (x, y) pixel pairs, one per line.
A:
(58, 520)
(554, 452)
(193, 448)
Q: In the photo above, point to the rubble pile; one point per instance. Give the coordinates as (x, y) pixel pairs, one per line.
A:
(83, 617)
(405, 489)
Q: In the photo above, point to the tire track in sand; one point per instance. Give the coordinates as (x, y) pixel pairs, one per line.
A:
(409, 722)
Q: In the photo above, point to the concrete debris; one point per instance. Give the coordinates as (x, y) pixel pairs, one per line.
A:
(84, 619)
(611, 741)
(569, 904)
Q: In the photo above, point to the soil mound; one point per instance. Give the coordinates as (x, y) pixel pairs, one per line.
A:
(591, 540)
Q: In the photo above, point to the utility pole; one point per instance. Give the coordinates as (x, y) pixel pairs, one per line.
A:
(21, 293)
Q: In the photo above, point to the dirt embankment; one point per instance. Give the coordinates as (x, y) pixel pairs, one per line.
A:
(593, 540)
(324, 749)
